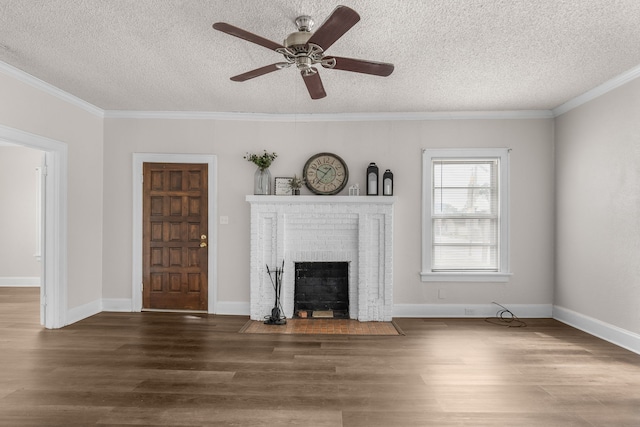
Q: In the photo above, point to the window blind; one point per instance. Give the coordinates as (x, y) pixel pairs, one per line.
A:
(465, 215)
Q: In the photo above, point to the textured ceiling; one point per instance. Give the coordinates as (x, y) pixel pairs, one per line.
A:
(449, 55)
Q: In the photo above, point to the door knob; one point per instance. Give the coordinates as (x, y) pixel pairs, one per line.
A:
(203, 244)
(203, 237)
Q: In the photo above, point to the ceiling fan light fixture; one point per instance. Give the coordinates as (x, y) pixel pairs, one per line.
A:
(304, 63)
(299, 38)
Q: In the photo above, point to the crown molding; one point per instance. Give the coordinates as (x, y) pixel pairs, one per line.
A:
(326, 117)
(331, 117)
(597, 91)
(35, 82)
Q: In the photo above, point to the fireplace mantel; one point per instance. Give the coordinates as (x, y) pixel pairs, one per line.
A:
(323, 200)
(353, 229)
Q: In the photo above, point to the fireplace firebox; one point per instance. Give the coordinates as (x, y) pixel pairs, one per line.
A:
(321, 287)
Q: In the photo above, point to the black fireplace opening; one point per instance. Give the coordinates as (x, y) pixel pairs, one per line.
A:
(321, 289)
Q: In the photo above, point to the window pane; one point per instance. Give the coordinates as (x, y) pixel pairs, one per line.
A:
(458, 201)
(465, 215)
(461, 231)
(456, 258)
(463, 173)
(465, 187)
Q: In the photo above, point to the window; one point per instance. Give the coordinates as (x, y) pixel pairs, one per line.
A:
(465, 216)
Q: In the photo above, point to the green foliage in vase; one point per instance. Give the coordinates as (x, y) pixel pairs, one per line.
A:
(263, 161)
(296, 182)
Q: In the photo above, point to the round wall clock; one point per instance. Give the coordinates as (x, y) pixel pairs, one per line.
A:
(325, 173)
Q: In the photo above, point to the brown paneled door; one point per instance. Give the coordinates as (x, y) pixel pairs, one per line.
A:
(175, 236)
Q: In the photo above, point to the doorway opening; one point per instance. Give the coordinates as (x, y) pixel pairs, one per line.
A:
(20, 192)
(53, 284)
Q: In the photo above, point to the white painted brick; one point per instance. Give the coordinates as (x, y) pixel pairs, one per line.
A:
(329, 229)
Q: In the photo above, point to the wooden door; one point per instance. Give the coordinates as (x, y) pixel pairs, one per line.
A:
(175, 236)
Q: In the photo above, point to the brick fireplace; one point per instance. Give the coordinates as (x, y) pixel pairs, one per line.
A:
(296, 229)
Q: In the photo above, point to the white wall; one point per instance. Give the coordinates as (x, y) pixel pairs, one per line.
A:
(598, 210)
(27, 108)
(596, 224)
(100, 183)
(18, 216)
(396, 145)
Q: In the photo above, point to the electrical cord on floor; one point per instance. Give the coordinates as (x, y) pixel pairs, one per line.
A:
(504, 317)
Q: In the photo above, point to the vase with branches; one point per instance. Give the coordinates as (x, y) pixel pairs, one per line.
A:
(262, 177)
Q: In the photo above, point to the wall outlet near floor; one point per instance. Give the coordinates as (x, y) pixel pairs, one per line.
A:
(469, 312)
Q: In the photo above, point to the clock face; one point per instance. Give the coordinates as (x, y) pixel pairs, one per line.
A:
(325, 173)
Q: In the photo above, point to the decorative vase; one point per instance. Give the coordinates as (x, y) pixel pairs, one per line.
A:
(262, 182)
(296, 191)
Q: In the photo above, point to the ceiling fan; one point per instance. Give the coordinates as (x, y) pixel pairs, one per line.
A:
(304, 49)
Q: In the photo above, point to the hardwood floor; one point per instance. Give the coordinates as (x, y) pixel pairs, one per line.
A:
(170, 369)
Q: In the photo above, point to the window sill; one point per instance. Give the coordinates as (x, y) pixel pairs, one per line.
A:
(464, 277)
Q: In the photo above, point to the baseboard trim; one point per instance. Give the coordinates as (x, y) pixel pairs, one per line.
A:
(230, 308)
(83, 311)
(117, 304)
(241, 308)
(471, 310)
(19, 282)
(615, 335)
(233, 308)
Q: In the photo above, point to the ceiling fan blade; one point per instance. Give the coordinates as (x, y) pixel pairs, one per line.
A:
(257, 72)
(314, 84)
(339, 22)
(245, 35)
(361, 66)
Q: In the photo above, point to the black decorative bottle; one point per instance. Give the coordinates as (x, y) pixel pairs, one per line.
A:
(372, 180)
(387, 183)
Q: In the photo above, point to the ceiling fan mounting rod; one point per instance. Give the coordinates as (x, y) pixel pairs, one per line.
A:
(304, 23)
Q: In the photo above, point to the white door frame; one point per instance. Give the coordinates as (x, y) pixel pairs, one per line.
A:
(54, 250)
(212, 279)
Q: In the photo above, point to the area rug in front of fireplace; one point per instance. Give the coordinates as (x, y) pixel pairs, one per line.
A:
(323, 327)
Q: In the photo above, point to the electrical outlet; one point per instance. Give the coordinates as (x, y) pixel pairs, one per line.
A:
(469, 312)
(441, 294)
(224, 220)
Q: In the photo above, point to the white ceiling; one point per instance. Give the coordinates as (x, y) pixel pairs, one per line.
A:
(449, 55)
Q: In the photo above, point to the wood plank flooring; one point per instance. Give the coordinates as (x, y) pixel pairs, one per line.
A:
(172, 369)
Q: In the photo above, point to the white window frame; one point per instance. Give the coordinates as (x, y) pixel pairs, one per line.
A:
(428, 156)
